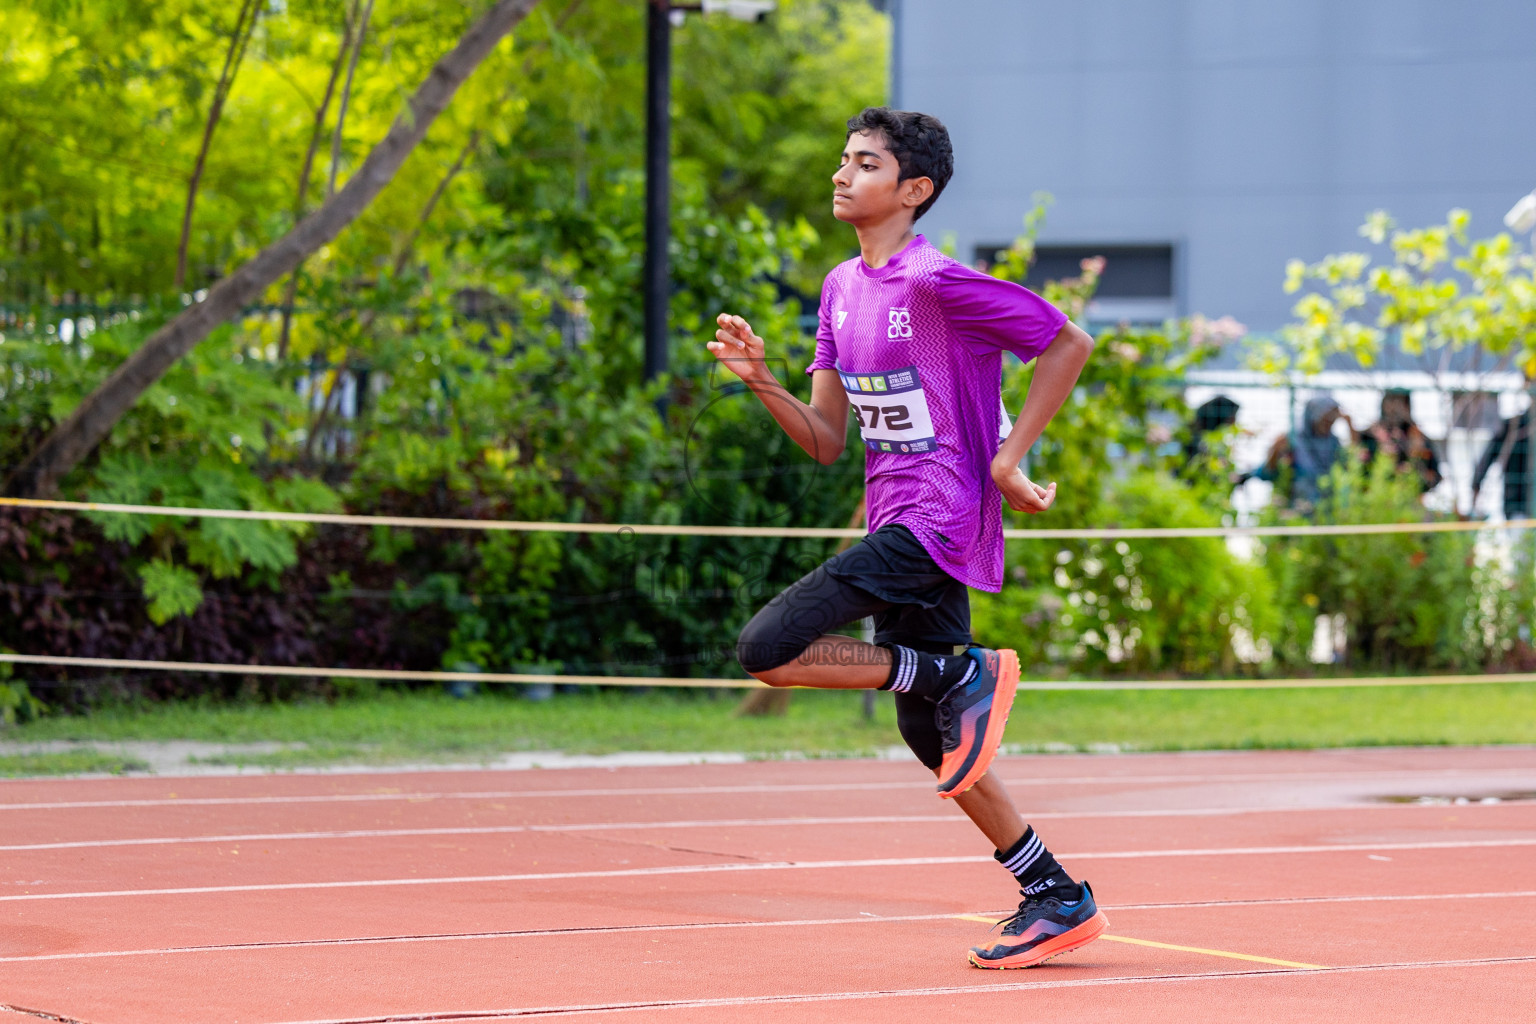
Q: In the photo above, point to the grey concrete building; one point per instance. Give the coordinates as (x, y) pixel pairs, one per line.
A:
(1205, 142)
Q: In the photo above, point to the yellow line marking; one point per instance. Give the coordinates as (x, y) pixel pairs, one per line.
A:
(1215, 952)
(1181, 949)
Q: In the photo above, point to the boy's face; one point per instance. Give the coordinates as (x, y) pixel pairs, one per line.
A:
(867, 187)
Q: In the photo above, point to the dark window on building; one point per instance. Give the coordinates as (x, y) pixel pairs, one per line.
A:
(1130, 271)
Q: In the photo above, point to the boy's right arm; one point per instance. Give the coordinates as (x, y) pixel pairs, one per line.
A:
(820, 428)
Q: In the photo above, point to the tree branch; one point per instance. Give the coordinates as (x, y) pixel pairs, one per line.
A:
(370, 315)
(346, 96)
(315, 134)
(232, 58)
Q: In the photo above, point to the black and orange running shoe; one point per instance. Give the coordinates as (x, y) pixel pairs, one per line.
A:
(971, 717)
(1041, 929)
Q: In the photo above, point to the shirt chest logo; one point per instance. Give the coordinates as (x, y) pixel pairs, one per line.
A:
(842, 315)
(900, 325)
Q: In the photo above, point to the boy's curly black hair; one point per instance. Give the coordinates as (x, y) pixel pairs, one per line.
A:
(919, 142)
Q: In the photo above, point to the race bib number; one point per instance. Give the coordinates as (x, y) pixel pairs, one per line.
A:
(892, 410)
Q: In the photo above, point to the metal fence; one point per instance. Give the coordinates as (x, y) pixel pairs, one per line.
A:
(1461, 414)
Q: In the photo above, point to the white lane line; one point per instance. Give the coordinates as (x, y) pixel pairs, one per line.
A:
(1436, 779)
(493, 830)
(545, 933)
(552, 933)
(811, 865)
(1283, 901)
(710, 823)
(448, 1016)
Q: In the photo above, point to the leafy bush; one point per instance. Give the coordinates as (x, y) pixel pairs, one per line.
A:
(16, 701)
(1180, 606)
(1133, 607)
(1407, 600)
(209, 434)
(494, 380)
(496, 376)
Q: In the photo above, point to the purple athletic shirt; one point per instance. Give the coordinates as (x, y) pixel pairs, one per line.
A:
(919, 346)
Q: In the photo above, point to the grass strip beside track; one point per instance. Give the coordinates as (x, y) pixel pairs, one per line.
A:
(392, 727)
(67, 762)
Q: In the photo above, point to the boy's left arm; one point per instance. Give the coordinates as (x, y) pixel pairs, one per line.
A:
(1056, 373)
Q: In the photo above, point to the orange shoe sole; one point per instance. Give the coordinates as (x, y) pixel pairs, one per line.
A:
(1066, 942)
(997, 721)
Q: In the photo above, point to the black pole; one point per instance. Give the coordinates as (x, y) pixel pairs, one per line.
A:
(658, 95)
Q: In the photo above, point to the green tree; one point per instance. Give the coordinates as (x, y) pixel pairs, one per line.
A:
(758, 113)
(468, 347)
(1443, 291)
(98, 412)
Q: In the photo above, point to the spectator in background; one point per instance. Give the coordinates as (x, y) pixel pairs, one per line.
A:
(1219, 412)
(1216, 414)
(1397, 434)
(1510, 448)
(1309, 454)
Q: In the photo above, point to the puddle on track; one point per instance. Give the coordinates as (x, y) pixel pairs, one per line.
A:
(1459, 799)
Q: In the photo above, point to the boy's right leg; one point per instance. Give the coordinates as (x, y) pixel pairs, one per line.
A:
(790, 642)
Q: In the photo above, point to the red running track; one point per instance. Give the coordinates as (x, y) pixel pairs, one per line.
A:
(1277, 886)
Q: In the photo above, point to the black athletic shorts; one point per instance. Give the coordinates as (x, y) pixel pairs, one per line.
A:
(890, 576)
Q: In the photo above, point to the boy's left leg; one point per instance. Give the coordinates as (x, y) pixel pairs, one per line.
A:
(1057, 914)
(991, 810)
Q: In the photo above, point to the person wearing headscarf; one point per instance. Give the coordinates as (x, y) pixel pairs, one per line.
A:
(1309, 453)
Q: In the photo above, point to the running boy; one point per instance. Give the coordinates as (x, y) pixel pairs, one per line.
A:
(913, 342)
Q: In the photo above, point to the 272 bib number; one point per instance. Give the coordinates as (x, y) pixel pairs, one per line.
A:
(892, 410)
(897, 417)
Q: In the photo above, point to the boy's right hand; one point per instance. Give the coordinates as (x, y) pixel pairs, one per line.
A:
(740, 350)
(1020, 492)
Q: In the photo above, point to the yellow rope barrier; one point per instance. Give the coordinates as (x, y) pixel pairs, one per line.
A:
(402, 675)
(813, 532)
(533, 677)
(736, 531)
